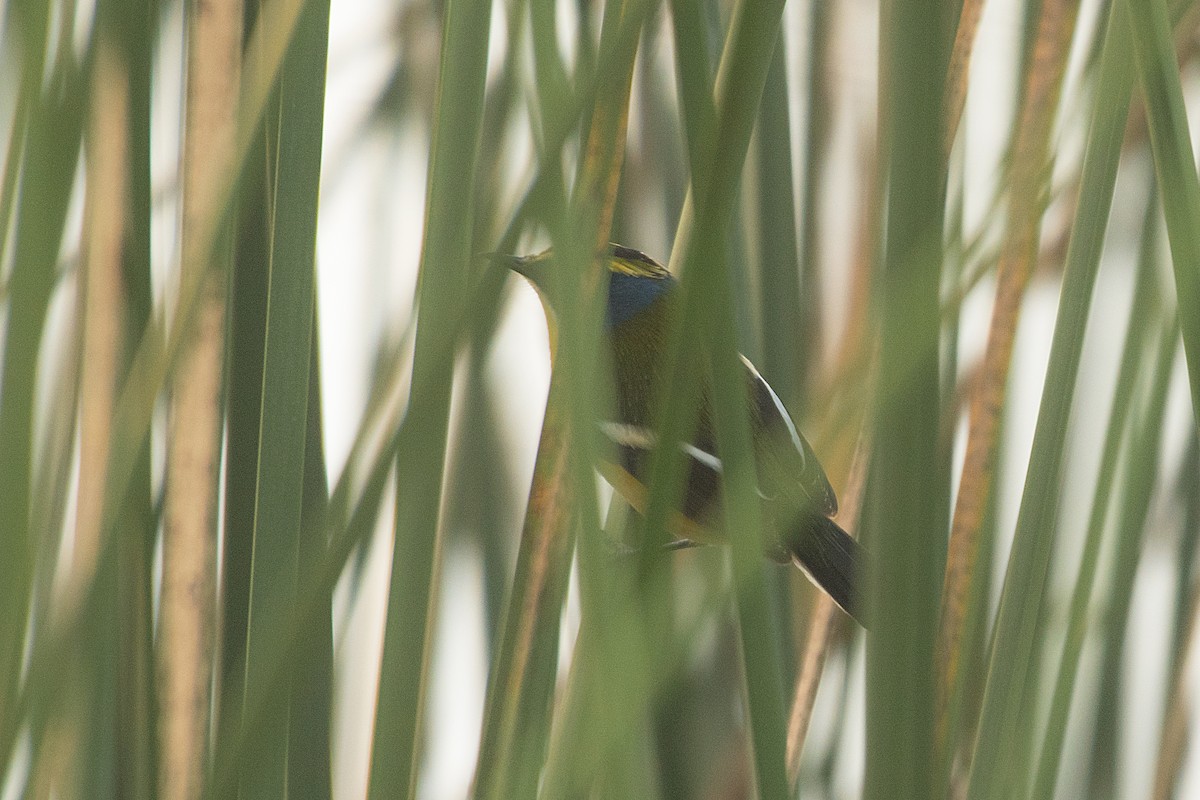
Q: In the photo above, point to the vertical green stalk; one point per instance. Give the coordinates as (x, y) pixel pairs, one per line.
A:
(1132, 356)
(701, 254)
(1006, 696)
(1187, 495)
(445, 261)
(136, 25)
(784, 323)
(520, 686)
(310, 743)
(519, 698)
(816, 138)
(247, 333)
(1141, 472)
(1040, 94)
(552, 87)
(48, 164)
(516, 723)
(1173, 736)
(270, 769)
(1170, 142)
(612, 650)
(694, 74)
(949, 730)
(905, 490)
(679, 401)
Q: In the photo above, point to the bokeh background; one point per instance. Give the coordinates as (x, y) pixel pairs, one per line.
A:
(270, 419)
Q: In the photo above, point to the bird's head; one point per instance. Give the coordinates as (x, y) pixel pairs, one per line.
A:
(635, 281)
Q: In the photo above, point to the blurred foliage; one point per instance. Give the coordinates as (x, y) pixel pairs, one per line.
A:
(830, 214)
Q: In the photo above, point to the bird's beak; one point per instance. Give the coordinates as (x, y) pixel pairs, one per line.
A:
(529, 267)
(521, 265)
(518, 264)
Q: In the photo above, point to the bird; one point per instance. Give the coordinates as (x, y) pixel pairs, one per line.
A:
(797, 499)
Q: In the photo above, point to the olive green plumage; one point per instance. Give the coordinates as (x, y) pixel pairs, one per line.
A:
(797, 497)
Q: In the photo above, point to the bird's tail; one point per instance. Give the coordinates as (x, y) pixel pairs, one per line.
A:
(834, 561)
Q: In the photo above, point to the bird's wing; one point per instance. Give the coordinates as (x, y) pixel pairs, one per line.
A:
(634, 444)
(785, 458)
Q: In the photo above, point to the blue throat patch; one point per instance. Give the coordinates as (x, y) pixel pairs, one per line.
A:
(629, 295)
